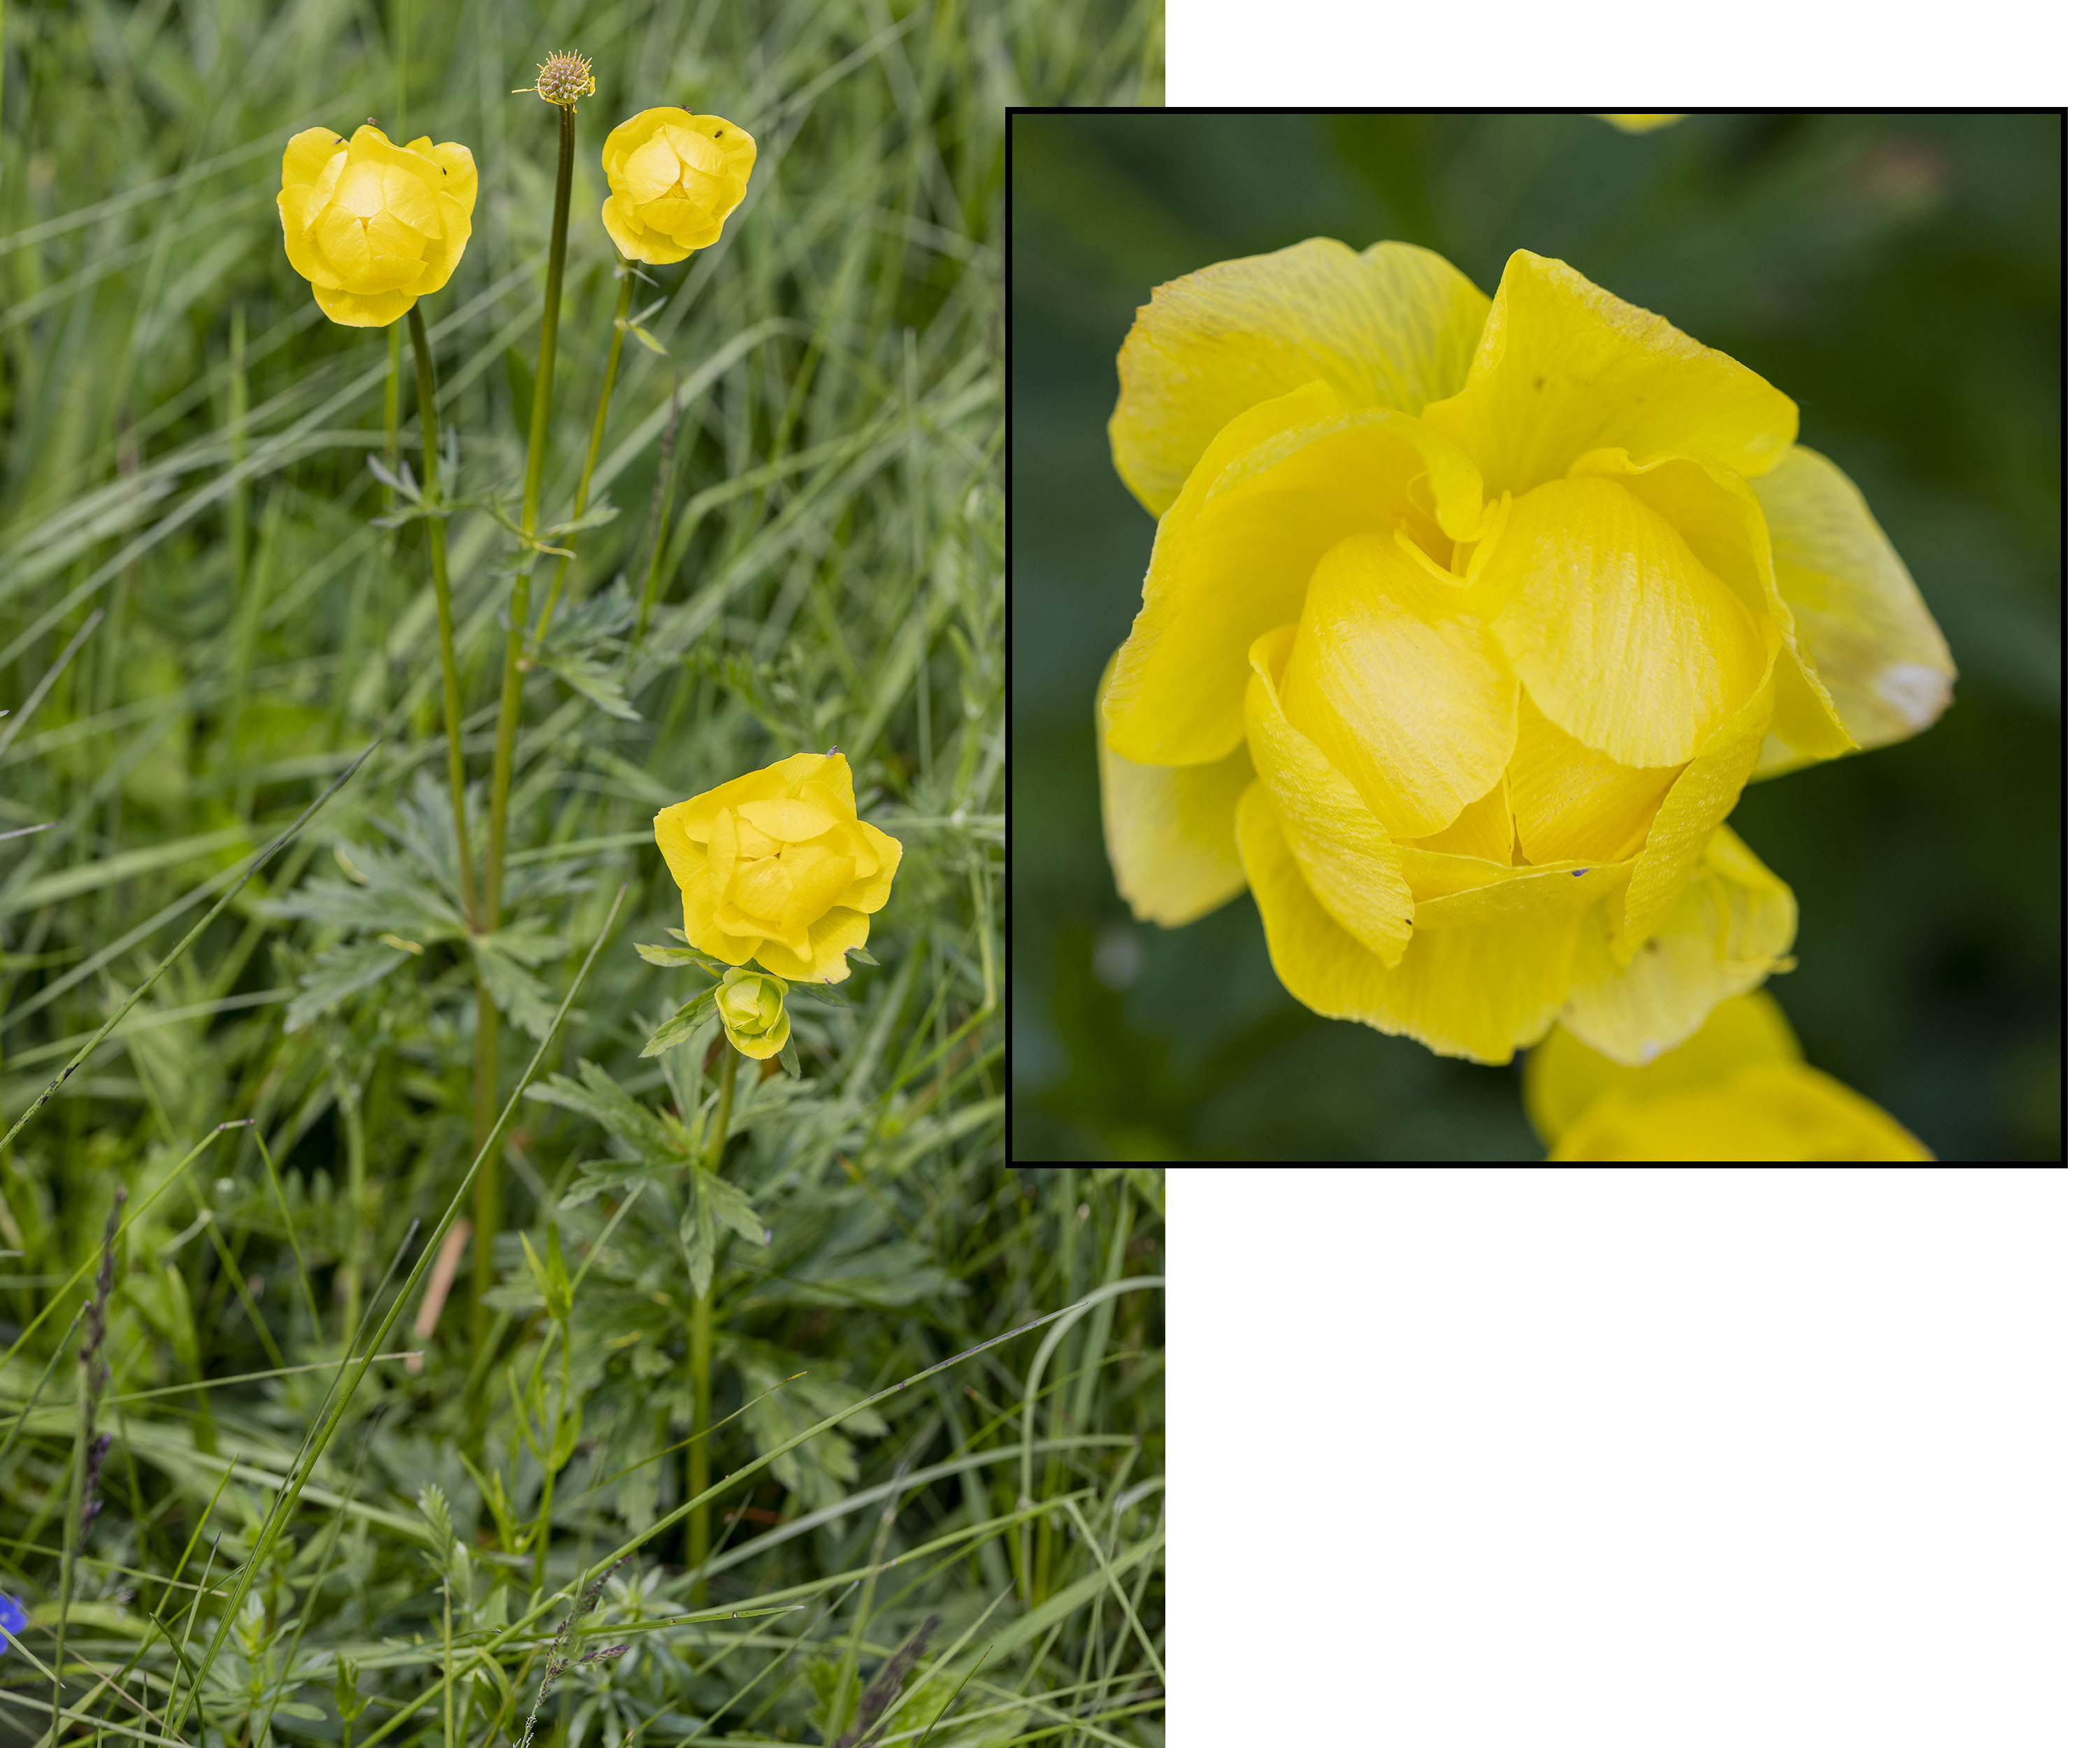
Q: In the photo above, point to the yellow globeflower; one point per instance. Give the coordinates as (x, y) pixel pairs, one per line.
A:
(754, 1012)
(371, 225)
(675, 177)
(1529, 589)
(775, 866)
(1736, 1089)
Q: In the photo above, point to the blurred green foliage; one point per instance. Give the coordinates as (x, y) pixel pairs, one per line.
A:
(1899, 276)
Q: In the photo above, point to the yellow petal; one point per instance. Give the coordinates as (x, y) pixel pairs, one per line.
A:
(1485, 830)
(1862, 622)
(1767, 1111)
(685, 857)
(1400, 685)
(306, 154)
(1644, 123)
(1723, 523)
(298, 245)
(829, 937)
(788, 821)
(457, 175)
(357, 309)
(633, 241)
(1563, 367)
(1573, 805)
(1169, 829)
(621, 143)
(870, 892)
(1477, 992)
(1704, 795)
(1393, 326)
(1623, 639)
(1345, 855)
(652, 168)
(1563, 1076)
(736, 151)
(1728, 931)
(1283, 484)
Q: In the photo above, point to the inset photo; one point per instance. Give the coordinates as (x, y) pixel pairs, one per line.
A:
(1538, 636)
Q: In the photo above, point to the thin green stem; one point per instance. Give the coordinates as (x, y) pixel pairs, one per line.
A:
(392, 411)
(488, 1193)
(426, 395)
(75, 1488)
(718, 1138)
(660, 513)
(590, 453)
(700, 1358)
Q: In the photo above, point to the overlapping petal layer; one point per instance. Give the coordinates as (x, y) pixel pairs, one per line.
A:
(1393, 326)
(1170, 831)
(1281, 486)
(1621, 637)
(1401, 687)
(1728, 930)
(1563, 367)
(1862, 621)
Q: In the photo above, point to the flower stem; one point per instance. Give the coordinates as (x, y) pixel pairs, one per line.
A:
(392, 410)
(590, 453)
(700, 1341)
(489, 1189)
(699, 1361)
(719, 1139)
(426, 392)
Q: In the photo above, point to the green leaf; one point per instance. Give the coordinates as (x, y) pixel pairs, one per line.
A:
(732, 1207)
(341, 972)
(523, 997)
(696, 1233)
(790, 1064)
(648, 339)
(827, 993)
(862, 954)
(673, 956)
(520, 372)
(348, 1703)
(595, 517)
(822, 1675)
(697, 1016)
(598, 681)
(633, 1128)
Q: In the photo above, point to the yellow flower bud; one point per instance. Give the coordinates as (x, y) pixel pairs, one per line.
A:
(754, 1012)
(775, 866)
(675, 177)
(372, 226)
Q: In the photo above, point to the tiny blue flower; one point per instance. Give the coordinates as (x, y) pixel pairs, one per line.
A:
(12, 1618)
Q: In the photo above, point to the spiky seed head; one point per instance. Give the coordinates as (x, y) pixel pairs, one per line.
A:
(564, 78)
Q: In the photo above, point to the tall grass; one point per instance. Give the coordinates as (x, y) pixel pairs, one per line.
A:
(931, 1387)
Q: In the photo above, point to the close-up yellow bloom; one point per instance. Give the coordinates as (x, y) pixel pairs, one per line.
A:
(775, 866)
(675, 177)
(1465, 625)
(373, 226)
(1645, 122)
(1736, 1089)
(754, 1012)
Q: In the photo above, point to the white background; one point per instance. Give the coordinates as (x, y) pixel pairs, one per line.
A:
(1647, 1459)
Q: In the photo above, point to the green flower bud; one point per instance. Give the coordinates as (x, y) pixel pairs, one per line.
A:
(754, 1011)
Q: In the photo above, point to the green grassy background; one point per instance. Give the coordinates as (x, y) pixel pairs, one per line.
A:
(832, 494)
(1899, 276)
